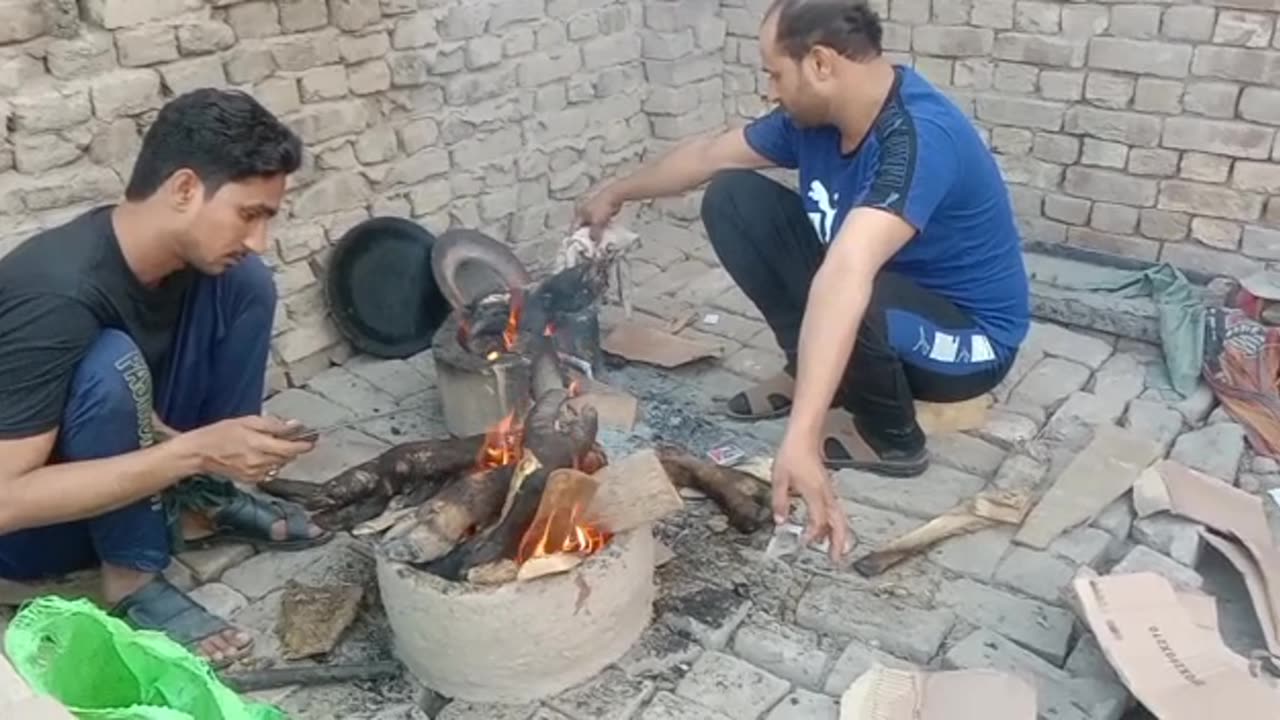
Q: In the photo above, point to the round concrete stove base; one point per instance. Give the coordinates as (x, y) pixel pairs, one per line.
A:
(521, 641)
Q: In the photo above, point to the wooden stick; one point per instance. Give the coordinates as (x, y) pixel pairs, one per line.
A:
(468, 503)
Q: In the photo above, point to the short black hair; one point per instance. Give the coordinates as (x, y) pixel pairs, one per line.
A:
(220, 135)
(850, 27)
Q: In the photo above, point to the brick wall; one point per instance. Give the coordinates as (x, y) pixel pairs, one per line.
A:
(488, 113)
(1142, 129)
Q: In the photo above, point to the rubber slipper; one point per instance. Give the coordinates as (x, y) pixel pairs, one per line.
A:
(160, 606)
(247, 519)
(844, 448)
(766, 400)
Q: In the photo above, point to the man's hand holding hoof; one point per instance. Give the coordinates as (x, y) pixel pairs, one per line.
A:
(250, 449)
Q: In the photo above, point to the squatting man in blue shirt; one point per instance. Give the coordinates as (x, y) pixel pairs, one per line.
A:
(894, 274)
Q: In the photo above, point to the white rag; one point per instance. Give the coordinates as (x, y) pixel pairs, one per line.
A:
(614, 243)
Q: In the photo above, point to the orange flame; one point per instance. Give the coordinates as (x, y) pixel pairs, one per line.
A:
(502, 443)
(563, 535)
(512, 332)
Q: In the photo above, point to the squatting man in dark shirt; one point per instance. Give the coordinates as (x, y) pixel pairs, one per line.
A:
(133, 353)
(894, 274)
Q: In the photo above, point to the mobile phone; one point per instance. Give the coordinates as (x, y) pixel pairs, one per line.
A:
(301, 432)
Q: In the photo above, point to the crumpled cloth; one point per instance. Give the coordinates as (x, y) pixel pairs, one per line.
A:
(1242, 365)
(615, 242)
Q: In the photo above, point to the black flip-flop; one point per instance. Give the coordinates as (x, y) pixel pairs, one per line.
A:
(161, 606)
(246, 519)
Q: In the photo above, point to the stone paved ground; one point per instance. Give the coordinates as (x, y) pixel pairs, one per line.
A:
(737, 636)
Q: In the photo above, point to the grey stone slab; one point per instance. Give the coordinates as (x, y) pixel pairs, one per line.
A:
(1007, 429)
(1215, 450)
(1049, 382)
(937, 490)
(259, 619)
(352, 391)
(1020, 473)
(1154, 420)
(1144, 559)
(790, 652)
(1120, 379)
(335, 452)
(805, 705)
(1027, 358)
(1088, 660)
(425, 363)
(208, 565)
(1059, 341)
(857, 658)
(667, 706)
(708, 614)
(892, 624)
(398, 378)
(544, 713)
(1042, 629)
(1036, 573)
(732, 686)
(611, 695)
(1117, 518)
(306, 407)
(659, 650)
(422, 418)
(1084, 546)
(219, 599)
(462, 710)
(975, 555)
(875, 527)
(267, 571)
(966, 453)
(1171, 535)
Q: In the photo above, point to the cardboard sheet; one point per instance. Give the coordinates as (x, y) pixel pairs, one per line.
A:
(883, 693)
(615, 408)
(1176, 667)
(1237, 515)
(17, 700)
(644, 343)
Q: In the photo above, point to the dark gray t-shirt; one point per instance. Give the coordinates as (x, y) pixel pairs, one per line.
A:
(58, 290)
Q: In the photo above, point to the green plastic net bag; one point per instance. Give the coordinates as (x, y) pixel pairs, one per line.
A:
(103, 669)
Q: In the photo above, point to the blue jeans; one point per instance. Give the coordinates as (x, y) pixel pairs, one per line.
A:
(216, 371)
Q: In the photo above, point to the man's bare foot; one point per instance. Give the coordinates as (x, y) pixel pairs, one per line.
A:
(219, 646)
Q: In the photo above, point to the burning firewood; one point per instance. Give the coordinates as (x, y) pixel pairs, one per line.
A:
(437, 525)
(742, 497)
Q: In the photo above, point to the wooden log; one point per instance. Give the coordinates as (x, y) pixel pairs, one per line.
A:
(555, 437)
(632, 492)
(470, 502)
(742, 498)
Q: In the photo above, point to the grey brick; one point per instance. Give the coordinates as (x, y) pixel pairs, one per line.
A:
(909, 11)
(1034, 16)
(1252, 66)
(1156, 95)
(952, 41)
(1153, 161)
(1122, 245)
(1221, 234)
(1135, 21)
(1215, 450)
(1011, 140)
(1036, 573)
(1067, 209)
(1188, 22)
(1062, 84)
(1209, 260)
(1051, 380)
(1204, 167)
(1036, 626)
(952, 13)
(152, 44)
(1144, 559)
(804, 705)
(1016, 77)
(993, 14)
(1260, 105)
(1106, 185)
(666, 706)
(973, 555)
(726, 684)
(940, 489)
(1171, 535)
(789, 652)
(1088, 661)
(1211, 98)
(856, 660)
(1121, 126)
(891, 624)
(1007, 429)
(1026, 201)
(1114, 218)
(1246, 29)
(1063, 149)
(1085, 546)
(1085, 21)
(1261, 242)
(1039, 49)
(1103, 153)
(1218, 137)
(1163, 224)
(610, 695)
(966, 454)
(659, 650)
(1116, 519)
(1023, 112)
(1272, 214)
(936, 70)
(708, 614)
(1109, 90)
(1215, 201)
(1143, 57)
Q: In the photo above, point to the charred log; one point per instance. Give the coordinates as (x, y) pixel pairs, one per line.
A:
(742, 497)
(556, 436)
(469, 502)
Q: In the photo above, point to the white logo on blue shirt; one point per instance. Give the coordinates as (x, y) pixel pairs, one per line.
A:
(826, 215)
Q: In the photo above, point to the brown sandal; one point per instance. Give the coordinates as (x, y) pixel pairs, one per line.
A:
(844, 448)
(767, 399)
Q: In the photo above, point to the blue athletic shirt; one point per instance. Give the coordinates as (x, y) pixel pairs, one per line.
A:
(924, 161)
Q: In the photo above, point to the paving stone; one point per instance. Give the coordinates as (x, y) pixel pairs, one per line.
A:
(1049, 382)
(1085, 546)
(707, 614)
(966, 453)
(1171, 535)
(260, 619)
(549, 714)
(1263, 465)
(659, 650)
(398, 378)
(666, 706)
(219, 599)
(789, 652)
(1040, 628)
(1120, 379)
(462, 710)
(406, 711)
(1154, 420)
(856, 660)
(1007, 429)
(1058, 695)
(876, 527)
(937, 490)
(1037, 573)
(1214, 450)
(1117, 518)
(805, 705)
(1027, 358)
(335, 452)
(1197, 406)
(975, 555)
(1087, 660)
(731, 686)
(308, 407)
(422, 418)
(425, 363)
(337, 559)
(1020, 473)
(891, 624)
(208, 565)
(1062, 342)
(754, 363)
(1144, 559)
(611, 695)
(352, 391)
